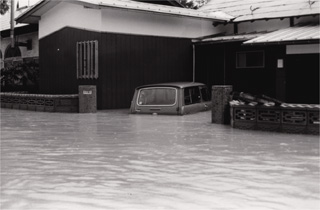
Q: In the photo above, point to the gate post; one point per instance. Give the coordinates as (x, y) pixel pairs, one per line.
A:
(87, 99)
(220, 103)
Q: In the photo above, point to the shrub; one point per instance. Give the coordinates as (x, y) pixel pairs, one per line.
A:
(20, 76)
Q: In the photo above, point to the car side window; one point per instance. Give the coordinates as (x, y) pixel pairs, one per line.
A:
(192, 95)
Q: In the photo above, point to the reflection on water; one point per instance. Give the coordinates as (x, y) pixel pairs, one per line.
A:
(113, 160)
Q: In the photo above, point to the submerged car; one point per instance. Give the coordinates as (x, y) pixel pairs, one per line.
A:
(178, 98)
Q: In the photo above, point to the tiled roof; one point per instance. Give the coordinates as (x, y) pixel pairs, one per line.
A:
(244, 10)
(293, 34)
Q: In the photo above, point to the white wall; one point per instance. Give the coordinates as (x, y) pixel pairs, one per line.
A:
(134, 22)
(66, 14)
(123, 21)
(303, 49)
(5, 42)
(35, 45)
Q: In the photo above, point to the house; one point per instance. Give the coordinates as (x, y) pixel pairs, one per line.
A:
(25, 36)
(273, 49)
(116, 45)
(260, 46)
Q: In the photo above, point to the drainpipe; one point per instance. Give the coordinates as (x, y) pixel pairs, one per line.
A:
(193, 63)
(12, 24)
(224, 64)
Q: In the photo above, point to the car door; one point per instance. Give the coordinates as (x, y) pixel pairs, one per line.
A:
(206, 97)
(192, 100)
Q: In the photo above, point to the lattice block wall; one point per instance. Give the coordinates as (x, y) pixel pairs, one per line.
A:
(290, 118)
(40, 102)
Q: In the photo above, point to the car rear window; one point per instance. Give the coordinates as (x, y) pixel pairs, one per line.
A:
(157, 96)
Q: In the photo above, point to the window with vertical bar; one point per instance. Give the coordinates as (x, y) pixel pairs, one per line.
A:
(87, 60)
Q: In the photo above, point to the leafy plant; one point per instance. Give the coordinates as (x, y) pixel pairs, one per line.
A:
(20, 74)
(4, 7)
(192, 4)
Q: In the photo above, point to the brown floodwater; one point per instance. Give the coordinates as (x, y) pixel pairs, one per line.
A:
(113, 160)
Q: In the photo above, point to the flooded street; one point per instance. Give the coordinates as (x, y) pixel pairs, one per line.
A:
(113, 160)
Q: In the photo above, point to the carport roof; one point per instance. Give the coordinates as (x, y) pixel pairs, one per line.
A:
(34, 13)
(229, 38)
(295, 34)
(248, 10)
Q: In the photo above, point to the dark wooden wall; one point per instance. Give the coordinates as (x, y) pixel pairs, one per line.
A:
(303, 78)
(125, 62)
(216, 65)
(210, 64)
(259, 80)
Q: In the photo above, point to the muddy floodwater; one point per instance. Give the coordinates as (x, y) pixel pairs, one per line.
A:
(113, 160)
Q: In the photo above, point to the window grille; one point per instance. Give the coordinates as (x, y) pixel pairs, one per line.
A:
(87, 60)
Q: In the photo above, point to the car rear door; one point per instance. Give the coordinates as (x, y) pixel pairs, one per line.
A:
(192, 100)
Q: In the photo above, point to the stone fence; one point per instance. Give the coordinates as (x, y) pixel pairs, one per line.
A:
(40, 102)
(246, 111)
(288, 118)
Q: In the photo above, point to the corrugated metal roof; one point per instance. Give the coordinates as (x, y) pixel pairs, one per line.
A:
(45, 5)
(295, 34)
(128, 4)
(230, 38)
(244, 10)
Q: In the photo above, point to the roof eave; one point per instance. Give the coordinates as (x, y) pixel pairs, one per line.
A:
(163, 12)
(29, 16)
(239, 19)
(306, 41)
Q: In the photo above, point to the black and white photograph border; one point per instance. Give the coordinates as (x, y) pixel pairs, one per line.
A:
(159, 104)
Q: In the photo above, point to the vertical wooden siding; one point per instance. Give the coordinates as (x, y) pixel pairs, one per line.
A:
(125, 62)
(216, 65)
(210, 64)
(303, 78)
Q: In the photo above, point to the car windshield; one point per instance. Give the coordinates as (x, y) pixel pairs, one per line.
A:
(157, 96)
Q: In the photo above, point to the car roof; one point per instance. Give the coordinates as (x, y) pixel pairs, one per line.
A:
(173, 84)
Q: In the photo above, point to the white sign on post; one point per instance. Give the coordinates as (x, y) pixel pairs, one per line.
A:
(280, 63)
(87, 92)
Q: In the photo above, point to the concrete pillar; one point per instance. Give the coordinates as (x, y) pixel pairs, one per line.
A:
(220, 103)
(87, 99)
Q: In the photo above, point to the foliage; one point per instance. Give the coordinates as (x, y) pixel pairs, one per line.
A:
(192, 4)
(20, 74)
(4, 7)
